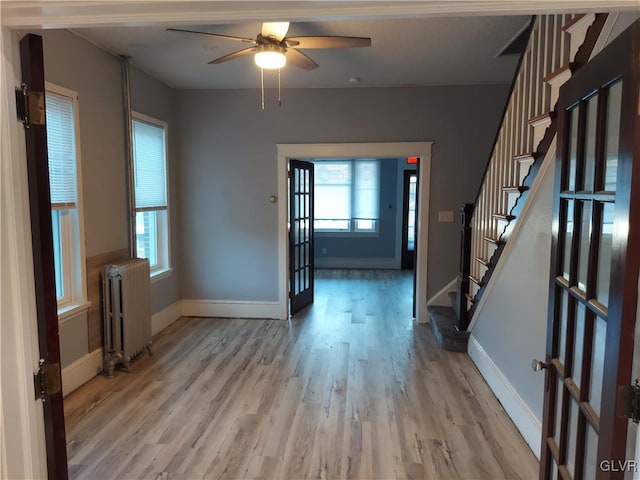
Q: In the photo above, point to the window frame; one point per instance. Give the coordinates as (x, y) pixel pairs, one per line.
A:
(163, 266)
(71, 222)
(352, 230)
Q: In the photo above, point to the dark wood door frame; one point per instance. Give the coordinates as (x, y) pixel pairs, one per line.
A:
(407, 259)
(32, 60)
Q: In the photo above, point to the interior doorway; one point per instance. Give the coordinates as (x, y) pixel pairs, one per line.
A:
(356, 150)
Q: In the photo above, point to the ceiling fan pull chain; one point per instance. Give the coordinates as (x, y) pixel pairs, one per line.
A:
(279, 97)
(262, 86)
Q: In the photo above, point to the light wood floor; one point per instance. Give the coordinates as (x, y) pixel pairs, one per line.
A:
(352, 388)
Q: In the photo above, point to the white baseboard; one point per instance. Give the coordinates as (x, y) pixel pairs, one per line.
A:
(165, 317)
(81, 371)
(523, 418)
(231, 309)
(377, 263)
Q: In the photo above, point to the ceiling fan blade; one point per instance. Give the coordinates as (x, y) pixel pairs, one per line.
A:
(275, 30)
(299, 59)
(329, 42)
(217, 35)
(231, 56)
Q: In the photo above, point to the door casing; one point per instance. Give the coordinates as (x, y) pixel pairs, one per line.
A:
(356, 150)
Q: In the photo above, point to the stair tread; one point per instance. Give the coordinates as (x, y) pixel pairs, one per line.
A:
(484, 262)
(576, 19)
(503, 216)
(526, 156)
(496, 241)
(476, 281)
(540, 117)
(515, 189)
(443, 323)
(559, 71)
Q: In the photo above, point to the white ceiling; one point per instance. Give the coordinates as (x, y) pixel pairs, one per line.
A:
(416, 42)
(409, 51)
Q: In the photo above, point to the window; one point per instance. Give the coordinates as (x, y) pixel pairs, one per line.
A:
(66, 218)
(347, 195)
(150, 180)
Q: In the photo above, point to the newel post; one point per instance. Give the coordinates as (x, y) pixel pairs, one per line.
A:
(462, 313)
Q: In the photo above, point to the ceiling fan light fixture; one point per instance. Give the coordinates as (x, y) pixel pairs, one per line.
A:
(270, 57)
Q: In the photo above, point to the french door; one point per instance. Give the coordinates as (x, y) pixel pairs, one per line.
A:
(300, 234)
(32, 64)
(594, 271)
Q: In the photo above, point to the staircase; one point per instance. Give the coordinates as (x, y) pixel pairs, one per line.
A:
(558, 46)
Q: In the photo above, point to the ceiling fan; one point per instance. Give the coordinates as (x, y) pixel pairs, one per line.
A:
(272, 49)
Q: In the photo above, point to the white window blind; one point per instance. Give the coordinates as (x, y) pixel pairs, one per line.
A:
(62, 151)
(366, 190)
(149, 165)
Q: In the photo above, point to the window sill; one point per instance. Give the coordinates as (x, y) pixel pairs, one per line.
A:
(69, 311)
(346, 234)
(161, 274)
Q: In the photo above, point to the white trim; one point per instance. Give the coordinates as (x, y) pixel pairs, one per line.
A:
(22, 416)
(603, 38)
(378, 263)
(529, 426)
(70, 311)
(231, 309)
(81, 371)
(63, 14)
(521, 221)
(165, 317)
(441, 298)
(355, 150)
(161, 274)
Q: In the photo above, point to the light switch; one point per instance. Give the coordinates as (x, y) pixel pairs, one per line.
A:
(445, 216)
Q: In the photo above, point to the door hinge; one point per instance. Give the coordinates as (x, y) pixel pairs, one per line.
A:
(628, 403)
(30, 106)
(47, 380)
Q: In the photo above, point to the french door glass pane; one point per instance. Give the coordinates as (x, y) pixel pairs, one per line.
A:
(568, 237)
(597, 363)
(572, 435)
(612, 137)
(604, 253)
(591, 454)
(573, 149)
(558, 414)
(578, 345)
(564, 312)
(590, 147)
(583, 248)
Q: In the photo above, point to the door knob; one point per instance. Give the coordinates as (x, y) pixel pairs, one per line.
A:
(537, 365)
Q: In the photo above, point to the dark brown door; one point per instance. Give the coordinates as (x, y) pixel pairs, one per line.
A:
(594, 271)
(300, 234)
(409, 206)
(31, 57)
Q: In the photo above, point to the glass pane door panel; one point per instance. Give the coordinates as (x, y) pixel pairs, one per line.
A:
(568, 236)
(572, 436)
(591, 454)
(583, 247)
(590, 147)
(578, 345)
(612, 137)
(604, 253)
(558, 414)
(597, 363)
(570, 181)
(562, 340)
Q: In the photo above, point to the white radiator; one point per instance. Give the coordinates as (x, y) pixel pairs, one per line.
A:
(127, 312)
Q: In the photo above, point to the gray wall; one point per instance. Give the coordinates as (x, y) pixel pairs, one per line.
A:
(228, 170)
(74, 63)
(380, 245)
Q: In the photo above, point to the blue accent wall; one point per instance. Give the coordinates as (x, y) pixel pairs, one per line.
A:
(374, 246)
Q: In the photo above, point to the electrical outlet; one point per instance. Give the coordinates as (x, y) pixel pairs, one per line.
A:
(445, 216)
